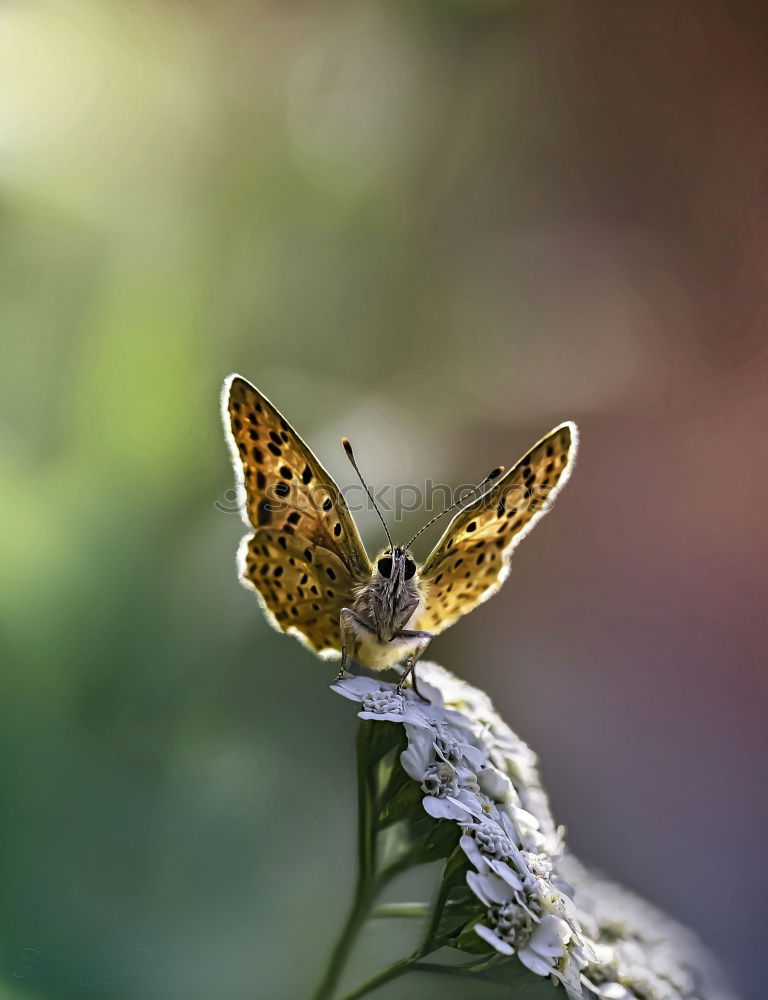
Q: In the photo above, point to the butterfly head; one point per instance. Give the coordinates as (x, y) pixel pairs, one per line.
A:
(393, 597)
(394, 591)
(396, 566)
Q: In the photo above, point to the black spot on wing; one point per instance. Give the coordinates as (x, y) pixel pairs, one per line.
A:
(263, 513)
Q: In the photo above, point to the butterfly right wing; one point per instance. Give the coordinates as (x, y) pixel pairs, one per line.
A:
(304, 536)
(471, 560)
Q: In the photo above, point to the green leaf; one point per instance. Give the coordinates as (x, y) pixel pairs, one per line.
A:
(456, 915)
(528, 986)
(405, 803)
(376, 739)
(456, 869)
(442, 840)
(470, 941)
(398, 778)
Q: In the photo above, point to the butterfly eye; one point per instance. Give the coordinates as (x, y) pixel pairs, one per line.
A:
(385, 567)
(410, 568)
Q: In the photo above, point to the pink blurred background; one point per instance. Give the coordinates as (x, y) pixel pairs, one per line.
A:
(440, 227)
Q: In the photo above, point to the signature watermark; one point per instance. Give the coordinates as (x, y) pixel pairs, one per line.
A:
(116, 969)
(396, 501)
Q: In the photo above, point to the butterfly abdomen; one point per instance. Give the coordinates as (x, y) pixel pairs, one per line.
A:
(375, 655)
(377, 645)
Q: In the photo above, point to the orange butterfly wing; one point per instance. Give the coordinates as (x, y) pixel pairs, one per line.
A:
(471, 560)
(305, 557)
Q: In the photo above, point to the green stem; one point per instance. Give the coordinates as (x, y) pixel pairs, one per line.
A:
(429, 944)
(410, 910)
(437, 913)
(367, 884)
(385, 976)
(438, 967)
(366, 811)
(413, 963)
(358, 911)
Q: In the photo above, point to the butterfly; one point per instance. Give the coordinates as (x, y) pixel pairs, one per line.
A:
(307, 563)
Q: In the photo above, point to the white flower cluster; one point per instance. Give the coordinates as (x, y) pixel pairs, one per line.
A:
(473, 770)
(640, 952)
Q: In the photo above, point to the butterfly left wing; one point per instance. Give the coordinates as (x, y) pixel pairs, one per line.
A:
(305, 558)
(302, 589)
(471, 560)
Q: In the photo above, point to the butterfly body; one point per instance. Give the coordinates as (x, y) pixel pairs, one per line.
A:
(306, 561)
(364, 646)
(380, 626)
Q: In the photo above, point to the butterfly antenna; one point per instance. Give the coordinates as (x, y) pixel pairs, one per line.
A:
(351, 457)
(494, 474)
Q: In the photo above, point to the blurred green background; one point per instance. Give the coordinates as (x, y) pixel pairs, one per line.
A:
(440, 227)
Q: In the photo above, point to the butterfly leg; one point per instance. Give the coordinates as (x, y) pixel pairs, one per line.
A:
(343, 623)
(349, 622)
(416, 687)
(426, 638)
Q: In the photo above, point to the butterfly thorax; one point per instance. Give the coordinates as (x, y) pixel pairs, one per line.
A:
(393, 595)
